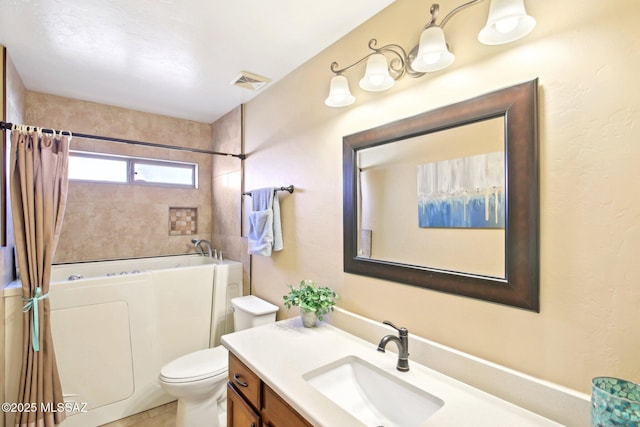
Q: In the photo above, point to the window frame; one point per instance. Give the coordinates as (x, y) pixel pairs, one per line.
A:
(131, 162)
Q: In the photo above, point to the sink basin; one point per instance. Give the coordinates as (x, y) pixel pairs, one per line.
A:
(372, 395)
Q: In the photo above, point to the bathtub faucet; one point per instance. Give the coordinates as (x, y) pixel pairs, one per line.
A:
(198, 244)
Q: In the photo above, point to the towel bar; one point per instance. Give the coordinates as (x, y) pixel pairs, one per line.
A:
(289, 189)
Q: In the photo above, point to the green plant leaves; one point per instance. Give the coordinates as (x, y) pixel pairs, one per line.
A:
(311, 297)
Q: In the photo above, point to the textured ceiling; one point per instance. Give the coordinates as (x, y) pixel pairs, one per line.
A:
(171, 57)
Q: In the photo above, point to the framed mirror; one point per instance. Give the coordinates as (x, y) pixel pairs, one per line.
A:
(448, 199)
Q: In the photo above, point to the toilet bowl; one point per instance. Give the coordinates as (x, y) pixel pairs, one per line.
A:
(198, 380)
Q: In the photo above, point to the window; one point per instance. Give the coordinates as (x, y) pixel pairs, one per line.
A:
(93, 168)
(153, 172)
(85, 166)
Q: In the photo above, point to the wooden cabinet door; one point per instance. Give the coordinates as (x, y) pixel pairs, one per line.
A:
(245, 381)
(239, 413)
(277, 413)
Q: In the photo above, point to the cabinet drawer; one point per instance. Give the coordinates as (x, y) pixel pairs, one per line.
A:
(277, 413)
(245, 381)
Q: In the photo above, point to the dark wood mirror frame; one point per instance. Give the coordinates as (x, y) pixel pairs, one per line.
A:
(520, 287)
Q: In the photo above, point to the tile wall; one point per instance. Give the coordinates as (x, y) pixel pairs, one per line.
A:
(106, 221)
(227, 190)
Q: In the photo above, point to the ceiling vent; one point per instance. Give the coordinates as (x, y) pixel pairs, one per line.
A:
(250, 81)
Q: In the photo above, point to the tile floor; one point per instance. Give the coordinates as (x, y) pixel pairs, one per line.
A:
(162, 416)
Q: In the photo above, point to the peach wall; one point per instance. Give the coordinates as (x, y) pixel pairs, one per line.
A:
(16, 95)
(12, 107)
(3, 249)
(586, 57)
(105, 221)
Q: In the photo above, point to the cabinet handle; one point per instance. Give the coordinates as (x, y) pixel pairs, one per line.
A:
(236, 378)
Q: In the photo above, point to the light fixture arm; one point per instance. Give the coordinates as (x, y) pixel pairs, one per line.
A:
(397, 63)
(435, 10)
(339, 71)
(507, 21)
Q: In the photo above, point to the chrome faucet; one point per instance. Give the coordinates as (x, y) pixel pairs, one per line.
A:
(198, 244)
(402, 341)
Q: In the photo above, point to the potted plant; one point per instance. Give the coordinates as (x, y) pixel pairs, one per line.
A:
(314, 301)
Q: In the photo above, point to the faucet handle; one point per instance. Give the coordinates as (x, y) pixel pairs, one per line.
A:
(402, 331)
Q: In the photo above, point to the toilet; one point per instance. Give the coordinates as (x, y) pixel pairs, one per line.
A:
(199, 379)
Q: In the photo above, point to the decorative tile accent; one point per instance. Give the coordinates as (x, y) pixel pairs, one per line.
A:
(183, 221)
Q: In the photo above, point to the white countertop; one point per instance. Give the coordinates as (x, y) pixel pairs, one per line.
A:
(282, 352)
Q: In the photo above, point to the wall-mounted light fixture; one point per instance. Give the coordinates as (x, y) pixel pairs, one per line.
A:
(507, 21)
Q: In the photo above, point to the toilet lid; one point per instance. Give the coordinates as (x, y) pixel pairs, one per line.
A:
(254, 305)
(197, 365)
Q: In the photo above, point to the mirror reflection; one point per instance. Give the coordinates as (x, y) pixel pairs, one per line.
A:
(436, 200)
(448, 199)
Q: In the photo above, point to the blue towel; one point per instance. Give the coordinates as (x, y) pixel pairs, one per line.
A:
(265, 228)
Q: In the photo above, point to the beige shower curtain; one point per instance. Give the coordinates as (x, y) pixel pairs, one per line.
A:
(38, 181)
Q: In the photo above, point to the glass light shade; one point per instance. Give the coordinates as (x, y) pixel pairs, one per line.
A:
(433, 54)
(339, 93)
(508, 21)
(376, 77)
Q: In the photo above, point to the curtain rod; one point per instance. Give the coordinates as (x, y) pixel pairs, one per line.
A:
(9, 126)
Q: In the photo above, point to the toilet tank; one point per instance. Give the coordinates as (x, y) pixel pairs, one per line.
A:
(250, 311)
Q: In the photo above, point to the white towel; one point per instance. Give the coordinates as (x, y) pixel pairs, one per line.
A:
(265, 228)
(261, 232)
(277, 225)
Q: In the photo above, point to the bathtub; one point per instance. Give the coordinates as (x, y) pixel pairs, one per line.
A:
(116, 323)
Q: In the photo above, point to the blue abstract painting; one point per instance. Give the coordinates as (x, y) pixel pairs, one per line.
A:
(467, 192)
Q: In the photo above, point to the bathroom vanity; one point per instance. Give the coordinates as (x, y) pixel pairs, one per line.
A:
(250, 402)
(324, 376)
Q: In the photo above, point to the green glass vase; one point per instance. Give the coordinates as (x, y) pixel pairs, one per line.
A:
(614, 403)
